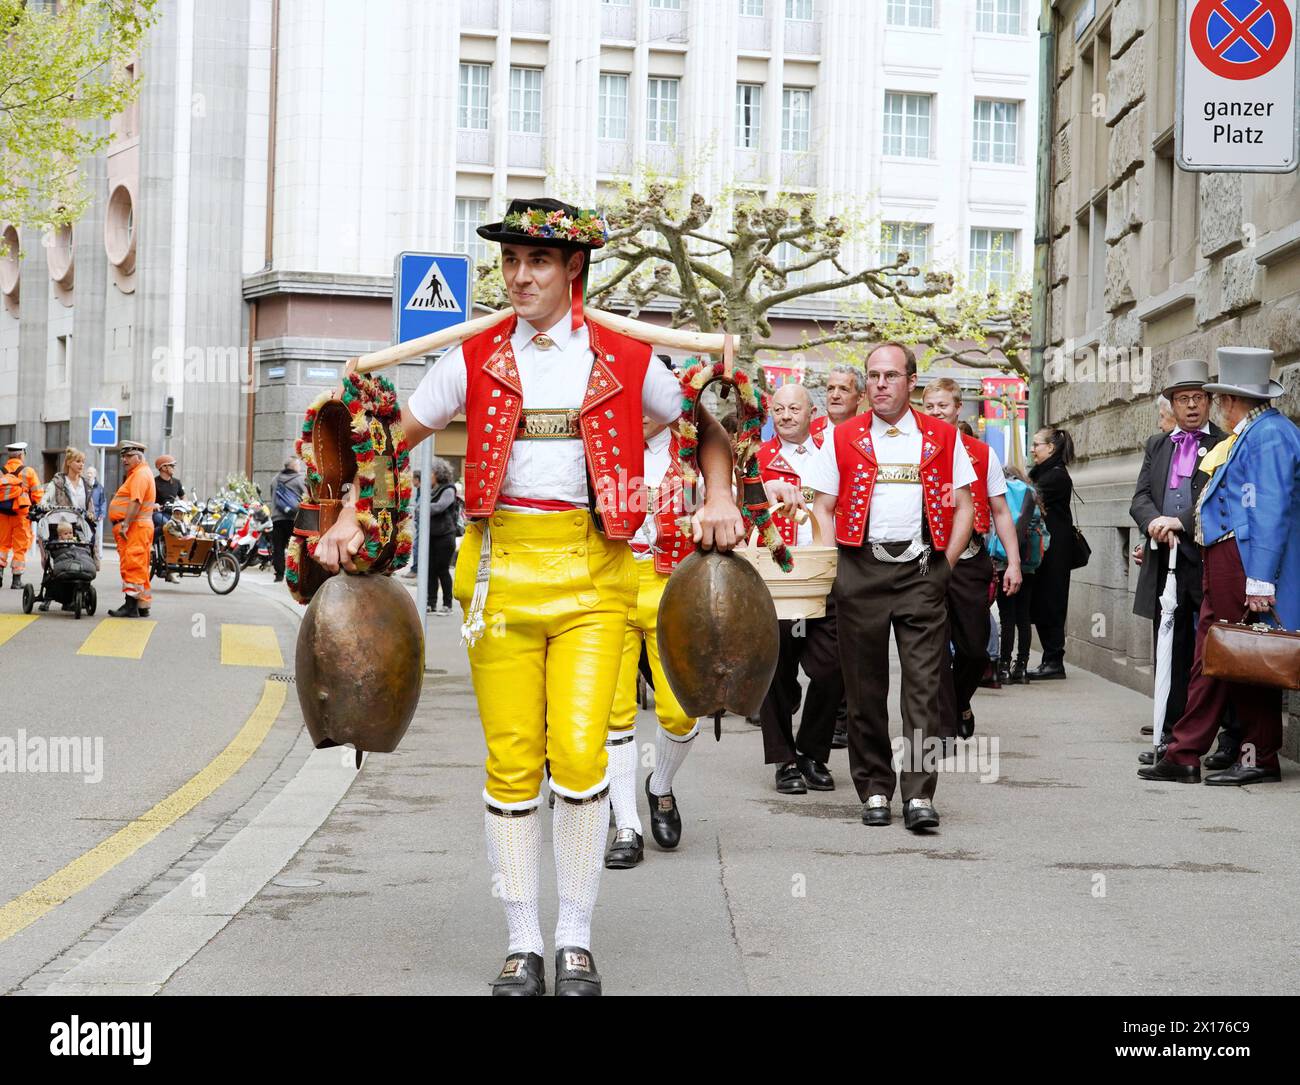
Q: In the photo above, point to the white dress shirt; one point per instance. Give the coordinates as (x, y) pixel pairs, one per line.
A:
(799, 461)
(656, 466)
(555, 379)
(896, 507)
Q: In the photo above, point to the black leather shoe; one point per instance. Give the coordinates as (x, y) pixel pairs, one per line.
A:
(875, 811)
(920, 814)
(1148, 757)
(1019, 677)
(575, 972)
(840, 739)
(1240, 774)
(1166, 771)
(789, 780)
(1047, 671)
(665, 819)
(524, 974)
(816, 774)
(966, 724)
(1147, 729)
(1004, 675)
(1226, 755)
(625, 850)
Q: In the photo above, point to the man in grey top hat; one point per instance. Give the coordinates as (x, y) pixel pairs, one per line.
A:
(1164, 504)
(1246, 521)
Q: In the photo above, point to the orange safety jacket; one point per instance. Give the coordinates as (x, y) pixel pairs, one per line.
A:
(137, 486)
(29, 491)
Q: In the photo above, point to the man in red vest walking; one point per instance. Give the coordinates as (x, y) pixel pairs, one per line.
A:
(893, 486)
(968, 590)
(554, 490)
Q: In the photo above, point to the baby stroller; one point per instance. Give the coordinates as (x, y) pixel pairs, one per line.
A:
(67, 564)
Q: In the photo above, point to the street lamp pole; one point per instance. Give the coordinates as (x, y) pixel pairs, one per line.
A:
(1042, 216)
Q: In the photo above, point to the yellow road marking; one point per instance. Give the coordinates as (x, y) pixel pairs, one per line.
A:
(94, 864)
(11, 624)
(121, 638)
(250, 646)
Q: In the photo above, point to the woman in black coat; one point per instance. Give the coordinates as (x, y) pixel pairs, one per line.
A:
(1053, 452)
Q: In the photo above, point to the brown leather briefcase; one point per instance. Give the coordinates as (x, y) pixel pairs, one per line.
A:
(1254, 655)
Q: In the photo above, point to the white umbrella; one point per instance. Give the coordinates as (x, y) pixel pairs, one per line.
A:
(1165, 643)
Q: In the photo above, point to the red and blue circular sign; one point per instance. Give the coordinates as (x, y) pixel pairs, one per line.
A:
(1240, 39)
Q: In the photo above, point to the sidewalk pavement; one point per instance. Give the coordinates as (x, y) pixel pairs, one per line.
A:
(1065, 874)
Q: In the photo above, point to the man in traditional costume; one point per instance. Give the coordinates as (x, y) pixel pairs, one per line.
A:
(554, 490)
(893, 486)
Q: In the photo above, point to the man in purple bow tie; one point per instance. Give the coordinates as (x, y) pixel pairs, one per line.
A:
(1163, 508)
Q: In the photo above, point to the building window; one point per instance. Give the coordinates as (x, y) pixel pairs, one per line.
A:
(799, 9)
(910, 237)
(786, 255)
(796, 119)
(907, 125)
(670, 5)
(57, 436)
(998, 16)
(749, 115)
(63, 360)
(526, 100)
(611, 120)
(8, 434)
(996, 135)
(992, 259)
(753, 7)
(473, 111)
(661, 110)
(910, 13)
(471, 214)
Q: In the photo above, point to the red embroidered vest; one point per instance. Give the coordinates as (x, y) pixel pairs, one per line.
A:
(818, 428)
(609, 421)
(773, 467)
(673, 544)
(978, 452)
(856, 459)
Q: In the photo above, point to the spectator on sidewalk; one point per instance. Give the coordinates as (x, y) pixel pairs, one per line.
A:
(1164, 502)
(69, 490)
(99, 502)
(413, 570)
(167, 488)
(444, 528)
(1246, 521)
(1053, 452)
(1014, 608)
(287, 491)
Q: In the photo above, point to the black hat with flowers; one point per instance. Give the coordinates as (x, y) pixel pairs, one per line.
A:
(547, 222)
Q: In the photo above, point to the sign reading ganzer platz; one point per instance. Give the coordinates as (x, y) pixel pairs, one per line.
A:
(1237, 86)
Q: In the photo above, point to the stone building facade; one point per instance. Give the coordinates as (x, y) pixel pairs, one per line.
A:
(1148, 264)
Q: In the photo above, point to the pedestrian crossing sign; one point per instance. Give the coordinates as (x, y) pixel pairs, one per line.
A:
(103, 427)
(430, 293)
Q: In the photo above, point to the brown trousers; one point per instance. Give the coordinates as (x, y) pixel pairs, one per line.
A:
(810, 644)
(871, 597)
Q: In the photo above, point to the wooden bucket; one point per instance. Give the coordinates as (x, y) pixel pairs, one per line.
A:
(800, 593)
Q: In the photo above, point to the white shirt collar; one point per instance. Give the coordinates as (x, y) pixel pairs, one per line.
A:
(1241, 425)
(1205, 428)
(659, 441)
(907, 424)
(559, 333)
(791, 446)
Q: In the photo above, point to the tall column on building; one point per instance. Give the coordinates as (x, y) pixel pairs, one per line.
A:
(849, 103)
(711, 89)
(636, 95)
(499, 108)
(430, 181)
(772, 102)
(570, 88)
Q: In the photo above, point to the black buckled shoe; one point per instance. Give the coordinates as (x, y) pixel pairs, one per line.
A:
(966, 724)
(1149, 757)
(815, 773)
(920, 814)
(789, 780)
(1019, 675)
(1165, 771)
(575, 972)
(625, 850)
(523, 975)
(1240, 775)
(1226, 755)
(665, 818)
(1045, 671)
(875, 811)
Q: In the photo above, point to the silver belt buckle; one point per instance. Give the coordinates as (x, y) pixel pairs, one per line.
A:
(972, 548)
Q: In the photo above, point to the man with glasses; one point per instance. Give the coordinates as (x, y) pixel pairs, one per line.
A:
(1164, 504)
(131, 514)
(893, 486)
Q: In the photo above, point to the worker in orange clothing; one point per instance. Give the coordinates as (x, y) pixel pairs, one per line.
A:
(20, 490)
(131, 514)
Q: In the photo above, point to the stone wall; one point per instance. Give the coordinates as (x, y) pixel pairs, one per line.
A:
(1180, 277)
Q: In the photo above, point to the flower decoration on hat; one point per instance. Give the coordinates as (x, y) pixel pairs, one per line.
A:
(588, 228)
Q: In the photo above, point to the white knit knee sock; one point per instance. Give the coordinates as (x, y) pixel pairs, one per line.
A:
(670, 753)
(622, 750)
(579, 838)
(514, 847)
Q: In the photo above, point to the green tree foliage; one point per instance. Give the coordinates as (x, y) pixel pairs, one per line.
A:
(61, 70)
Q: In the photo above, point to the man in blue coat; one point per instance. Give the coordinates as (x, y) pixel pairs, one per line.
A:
(1246, 521)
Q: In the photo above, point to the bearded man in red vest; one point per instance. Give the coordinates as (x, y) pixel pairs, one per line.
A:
(554, 490)
(968, 590)
(893, 487)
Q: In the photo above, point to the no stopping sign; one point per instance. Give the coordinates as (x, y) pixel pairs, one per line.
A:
(1237, 86)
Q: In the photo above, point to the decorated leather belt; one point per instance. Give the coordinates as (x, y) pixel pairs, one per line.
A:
(973, 547)
(356, 441)
(899, 472)
(912, 550)
(542, 424)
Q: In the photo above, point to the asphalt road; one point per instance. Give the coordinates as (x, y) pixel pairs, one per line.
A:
(1056, 870)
